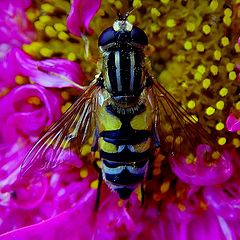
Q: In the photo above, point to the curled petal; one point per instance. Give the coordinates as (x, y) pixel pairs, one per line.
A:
(201, 173)
(51, 72)
(225, 200)
(80, 15)
(233, 122)
(27, 110)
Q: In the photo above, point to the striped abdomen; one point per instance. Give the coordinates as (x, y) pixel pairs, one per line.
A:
(124, 142)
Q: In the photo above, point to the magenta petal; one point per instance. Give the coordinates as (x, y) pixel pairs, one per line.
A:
(233, 122)
(225, 200)
(80, 15)
(22, 118)
(51, 72)
(200, 173)
(15, 29)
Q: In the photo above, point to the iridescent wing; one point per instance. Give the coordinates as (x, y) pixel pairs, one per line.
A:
(179, 134)
(64, 137)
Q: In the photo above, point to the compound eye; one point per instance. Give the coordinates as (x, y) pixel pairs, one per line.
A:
(107, 36)
(139, 36)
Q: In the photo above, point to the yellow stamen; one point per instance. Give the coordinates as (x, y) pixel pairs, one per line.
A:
(225, 41)
(94, 184)
(220, 105)
(223, 92)
(219, 126)
(34, 101)
(170, 23)
(165, 187)
(206, 29)
(214, 70)
(137, 3)
(84, 172)
(206, 83)
(222, 141)
(191, 104)
(210, 111)
(232, 75)
(200, 47)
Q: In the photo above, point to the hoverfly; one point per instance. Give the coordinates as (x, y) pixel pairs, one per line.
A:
(126, 112)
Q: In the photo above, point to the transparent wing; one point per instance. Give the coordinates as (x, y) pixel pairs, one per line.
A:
(179, 134)
(65, 136)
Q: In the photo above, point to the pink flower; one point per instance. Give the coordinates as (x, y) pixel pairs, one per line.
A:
(15, 29)
(81, 13)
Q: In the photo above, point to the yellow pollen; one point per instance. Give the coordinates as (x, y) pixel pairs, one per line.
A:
(206, 83)
(155, 12)
(65, 107)
(86, 149)
(206, 29)
(217, 55)
(84, 172)
(49, 30)
(34, 101)
(236, 142)
(60, 27)
(170, 36)
(190, 26)
(165, 187)
(32, 48)
(72, 56)
(214, 70)
(213, 5)
(224, 41)
(220, 105)
(111, 1)
(46, 52)
(219, 126)
(131, 18)
(170, 23)
(223, 92)
(137, 3)
(99, 162)
(181, 207)
(222, 141)
(45, 19)
(227, 20)
(21, 80)
(210, 111)
(238, 105)
(190, 159)
(230, 66)
(120, 202)
(200, 47)
(48, 8)
(232, 75)
(118, 4)
(216, 155)
(65, 95)
(94, 184)
(154, 27)
(197, 76)
(165, 1)
(191, 104)
(228, 12)
(39, 25)
(32, 16)
(188, 45)
(201, 69)
(63, 36)
(237, 48)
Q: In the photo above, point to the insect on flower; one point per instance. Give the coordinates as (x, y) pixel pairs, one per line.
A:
(127, 113)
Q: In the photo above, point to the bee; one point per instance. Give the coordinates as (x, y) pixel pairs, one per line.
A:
(126, 112)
